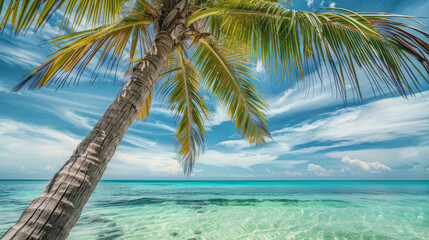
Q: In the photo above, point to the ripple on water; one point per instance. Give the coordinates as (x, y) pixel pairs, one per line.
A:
(199, 203)
(242, 210)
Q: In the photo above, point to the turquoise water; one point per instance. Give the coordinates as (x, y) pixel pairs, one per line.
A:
(240, 210)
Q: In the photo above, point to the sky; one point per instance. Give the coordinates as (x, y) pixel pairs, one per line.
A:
(316, 136)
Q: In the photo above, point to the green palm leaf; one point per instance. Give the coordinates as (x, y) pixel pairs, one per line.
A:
(22, 14)
(297, 43)
(182, 92)
(79, 48)
(225, 74)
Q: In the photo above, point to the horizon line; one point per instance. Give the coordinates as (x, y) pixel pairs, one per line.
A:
(236, 180)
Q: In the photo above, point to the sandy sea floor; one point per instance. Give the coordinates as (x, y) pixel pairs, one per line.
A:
(241, 210)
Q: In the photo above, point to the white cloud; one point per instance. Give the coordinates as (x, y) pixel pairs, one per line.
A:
(293, 100)
(160, 125)
(32, 145)
(77, 120)
(293, 174)
(139, 142)
(71, 111)
(3, 89)
(239, 144)
(142, 162)
(236, 159)
(371, 166)
(89, 97)
(302, 127)
(50, 31)
(219, 116)
(50, 168)
(315, 168)
(318, 170)
(20, 57)
(309, 2)
(378, 121)
(332, 4)
(259, 67)
(288, 164)
(287, 173)
(160, 110)
(88, 103)
(245, 156)
(26, 146)
(409, 153)
(316, 93)
(392, 157)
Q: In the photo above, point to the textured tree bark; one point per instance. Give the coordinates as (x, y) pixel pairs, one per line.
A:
(53, 214)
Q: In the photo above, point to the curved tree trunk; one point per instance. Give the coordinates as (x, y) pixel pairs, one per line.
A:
(52, 214)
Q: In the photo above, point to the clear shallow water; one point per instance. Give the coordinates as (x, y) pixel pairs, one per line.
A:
(240, 210)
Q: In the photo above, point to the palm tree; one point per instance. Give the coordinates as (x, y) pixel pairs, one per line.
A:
(199, 43)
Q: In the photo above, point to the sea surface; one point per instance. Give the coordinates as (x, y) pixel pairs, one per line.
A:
(240, 209)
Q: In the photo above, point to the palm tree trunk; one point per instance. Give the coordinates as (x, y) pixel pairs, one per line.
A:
(52, 214)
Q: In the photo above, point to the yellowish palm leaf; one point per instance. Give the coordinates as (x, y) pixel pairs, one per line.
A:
(25, 14)
(182, 92)
(297, 43)
(78, 49)
(226, 74)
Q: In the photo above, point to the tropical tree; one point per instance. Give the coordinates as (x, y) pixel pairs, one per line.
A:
(186, 45)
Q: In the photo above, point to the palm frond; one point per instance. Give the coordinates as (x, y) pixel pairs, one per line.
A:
(225, 74)
(78, 49)
(145, 109)
(182, 92)
(22, 14)
(297, 43)
(211, 3)
(145, 6)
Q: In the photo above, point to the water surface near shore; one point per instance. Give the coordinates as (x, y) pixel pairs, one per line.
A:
(240, 209)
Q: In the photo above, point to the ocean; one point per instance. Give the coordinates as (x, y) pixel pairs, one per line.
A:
(240, 209)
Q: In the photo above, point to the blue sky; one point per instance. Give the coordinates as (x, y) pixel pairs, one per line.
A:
(315, 135)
